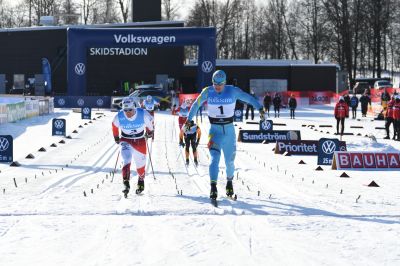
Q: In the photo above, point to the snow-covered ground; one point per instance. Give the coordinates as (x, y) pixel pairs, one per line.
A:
(286, 213)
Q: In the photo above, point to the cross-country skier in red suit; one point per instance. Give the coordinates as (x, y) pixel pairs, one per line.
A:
(183, 112)
(135, 125)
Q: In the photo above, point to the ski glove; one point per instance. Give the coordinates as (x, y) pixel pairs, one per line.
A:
(181, 144)
(197, 143)
(262, 114)
(116, 138)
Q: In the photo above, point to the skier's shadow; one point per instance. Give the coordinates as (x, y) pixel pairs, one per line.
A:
(293, 209)
(238, 207)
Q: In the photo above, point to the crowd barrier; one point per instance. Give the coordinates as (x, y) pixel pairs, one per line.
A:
(17, 108)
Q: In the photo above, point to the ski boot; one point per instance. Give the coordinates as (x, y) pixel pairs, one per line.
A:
(126, 188)
(140, 186)
(387, 137)
(229, 188)
(187, 161)
(196, 163)
(214, 191)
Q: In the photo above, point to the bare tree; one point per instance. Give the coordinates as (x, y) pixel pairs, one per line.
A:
(124, 7)
(69, 12)
(169, 10)
(87, 9)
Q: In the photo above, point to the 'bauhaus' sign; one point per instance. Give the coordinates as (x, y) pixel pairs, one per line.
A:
(366, 160)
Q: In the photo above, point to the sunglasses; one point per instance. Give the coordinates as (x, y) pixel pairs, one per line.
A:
(128, 110)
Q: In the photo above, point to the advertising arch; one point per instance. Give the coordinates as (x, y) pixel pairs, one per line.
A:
(81, 39)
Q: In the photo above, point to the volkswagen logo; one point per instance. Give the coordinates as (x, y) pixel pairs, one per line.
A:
(328, 147)
(61, 102)
(266, 125)
(291, 135)
(99, 102)
(238, 113)
(59, 124)
(207, 66)
(80, 69)
(80, 102)
(86, 110)
(4, 144)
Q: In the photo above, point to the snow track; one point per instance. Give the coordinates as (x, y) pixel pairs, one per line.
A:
(68, 208)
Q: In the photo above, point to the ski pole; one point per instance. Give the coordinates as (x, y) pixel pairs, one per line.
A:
(151, 163)
(179, 155)
(115, 167)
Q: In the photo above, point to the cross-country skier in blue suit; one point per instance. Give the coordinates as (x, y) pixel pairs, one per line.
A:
(221, 100)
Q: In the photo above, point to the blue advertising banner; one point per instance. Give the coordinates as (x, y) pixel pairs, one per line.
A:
(6, 148)
(86, 113)
(238, 117)
(59, 127)
(258, 136)
(266, 125)
(81, 101)
(326, 149)
(79, 39)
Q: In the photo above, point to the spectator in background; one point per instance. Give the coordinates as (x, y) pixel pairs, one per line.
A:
(250, 107)
(354, 105)
(267, 102)
(292, 105)
(396, 116)
(385, 97)
(341, 112)
(346, 98)
(277, 103)
(389, 118)
(365, 100)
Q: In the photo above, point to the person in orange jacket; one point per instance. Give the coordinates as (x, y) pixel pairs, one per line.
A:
(396, 116)
(389, 118)
(341, 113)
(190, 136)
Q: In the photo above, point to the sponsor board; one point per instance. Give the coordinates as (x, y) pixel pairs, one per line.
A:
(301, 147)
(366, 160)
(238, 117)
(258, 136)
(86, 113)
(79, 101)
(319, 97)
(6, 148)
(266, 125)
(59, 127)
(326, 149)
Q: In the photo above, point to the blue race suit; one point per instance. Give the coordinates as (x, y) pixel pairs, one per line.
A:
(222, 136)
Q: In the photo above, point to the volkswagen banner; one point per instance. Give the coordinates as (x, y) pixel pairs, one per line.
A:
(326, 149)
(59, 127)
(6, 148)
(238, 117)
(86, 113)
(266, 125)
(258, 136)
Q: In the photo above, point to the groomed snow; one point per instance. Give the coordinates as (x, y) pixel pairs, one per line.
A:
(299, 218)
